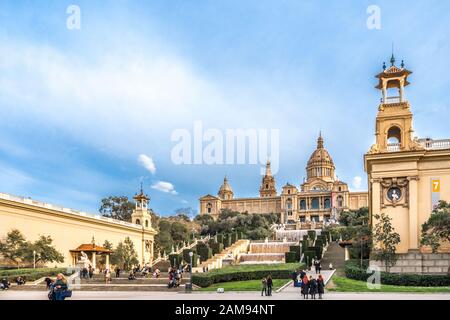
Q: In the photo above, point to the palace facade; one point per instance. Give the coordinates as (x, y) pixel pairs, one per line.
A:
(320, 198)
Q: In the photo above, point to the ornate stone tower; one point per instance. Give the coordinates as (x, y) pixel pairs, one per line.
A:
(393, 124)
(225, 191)
(141, 214)
(320, 164)
(267, 188)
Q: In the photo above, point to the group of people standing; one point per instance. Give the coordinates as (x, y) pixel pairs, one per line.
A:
(267, 285)
(175, 276)
(310, 286)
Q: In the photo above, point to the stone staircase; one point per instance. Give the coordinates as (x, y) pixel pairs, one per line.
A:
(336, 255)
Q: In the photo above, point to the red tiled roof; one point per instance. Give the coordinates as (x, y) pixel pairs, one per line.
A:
(91, 248)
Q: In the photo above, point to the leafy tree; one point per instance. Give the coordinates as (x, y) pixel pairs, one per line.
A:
(385, 239)
(354, 218)
(117, 207)
(126, 254)
(179, 232)
(112, 258)
(437, 228)
(44, 250)
(253, 226)
(14, 247)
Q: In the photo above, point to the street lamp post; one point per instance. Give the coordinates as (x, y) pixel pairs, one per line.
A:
(34, 259)
(189, 285)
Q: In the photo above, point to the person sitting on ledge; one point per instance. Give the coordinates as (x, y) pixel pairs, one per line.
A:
(20, 281)
(4, 284)
(131, 276)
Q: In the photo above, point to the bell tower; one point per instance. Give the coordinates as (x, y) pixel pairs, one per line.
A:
(141, 214)
(267, 188)
(393, 127)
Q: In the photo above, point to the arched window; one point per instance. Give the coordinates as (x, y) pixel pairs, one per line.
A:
(267, 186)
(209, 207)
(289, 191)
(289, 203)
(327, 203)
(146, 223)
(138, 221)
(315, 203)
(394, 135)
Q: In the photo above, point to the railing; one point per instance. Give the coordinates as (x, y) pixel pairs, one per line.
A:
(392, 100)
(391, 147)
(428, 144)
(435, 144)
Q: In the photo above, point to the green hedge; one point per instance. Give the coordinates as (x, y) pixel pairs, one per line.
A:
(216, 248)
(227, 274)
(290, 257)
(30, 274)
(355, 272)
(220, 238)
(312, 234)
(234, 238)
(226, 241)
(175, 259)
(211, 241)
(297, 251)
(319, 243)
(305, 245)
(185, 254)
(317, 251)
(194, 260)
(204, 252)
(308, 257)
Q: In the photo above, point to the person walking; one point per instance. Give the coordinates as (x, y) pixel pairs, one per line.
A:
(117, 272)
(269, 285)
(312, 287)
(91, 272)
(319, 266)
(264, 286)
(107, 276)
(320, 286)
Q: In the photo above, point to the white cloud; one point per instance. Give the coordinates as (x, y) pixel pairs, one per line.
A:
(164, 187)
(357, 182)
(147, 163)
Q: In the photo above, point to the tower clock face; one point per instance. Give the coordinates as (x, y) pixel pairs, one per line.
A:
(394, 194)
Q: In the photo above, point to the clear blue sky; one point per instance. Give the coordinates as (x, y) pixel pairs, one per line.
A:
(79, 107)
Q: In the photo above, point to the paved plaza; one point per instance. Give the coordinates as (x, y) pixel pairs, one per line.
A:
(283, 295)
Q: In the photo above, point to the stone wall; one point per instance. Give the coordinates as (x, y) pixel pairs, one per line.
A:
(419, 263)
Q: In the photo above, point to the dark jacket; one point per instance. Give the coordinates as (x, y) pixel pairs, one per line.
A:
(320, 286)
(269, 282)
(313, 286)
(60, 283)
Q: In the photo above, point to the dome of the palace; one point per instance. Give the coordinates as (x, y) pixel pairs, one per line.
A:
(225, 191)
(320, 155)
(320, 164)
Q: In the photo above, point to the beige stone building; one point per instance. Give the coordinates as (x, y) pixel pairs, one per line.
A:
(73, 231)
(320, 198)
(407, 176)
